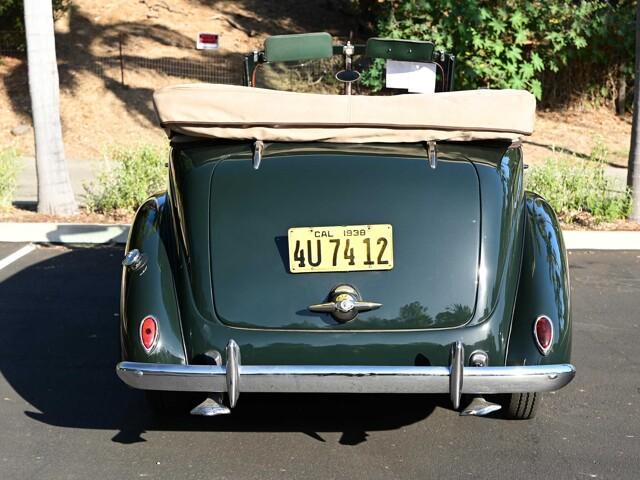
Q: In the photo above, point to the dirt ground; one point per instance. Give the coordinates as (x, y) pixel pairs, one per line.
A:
(576, 132)
(98, 112)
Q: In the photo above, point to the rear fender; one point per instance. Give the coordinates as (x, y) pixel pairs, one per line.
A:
(543, 288)
(150, 290)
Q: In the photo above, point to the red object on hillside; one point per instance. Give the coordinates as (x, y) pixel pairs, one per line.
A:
(207, 41)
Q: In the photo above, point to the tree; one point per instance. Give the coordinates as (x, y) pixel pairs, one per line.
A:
(633, 173)
(55, 195)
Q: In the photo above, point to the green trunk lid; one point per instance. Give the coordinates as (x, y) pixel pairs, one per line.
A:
(435, 214)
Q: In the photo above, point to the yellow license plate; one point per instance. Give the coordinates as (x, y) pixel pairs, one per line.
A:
(347, 248)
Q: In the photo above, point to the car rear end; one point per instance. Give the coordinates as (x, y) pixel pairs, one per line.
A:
(346, 268)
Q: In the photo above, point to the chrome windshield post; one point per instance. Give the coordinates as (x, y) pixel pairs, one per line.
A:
(348, 51)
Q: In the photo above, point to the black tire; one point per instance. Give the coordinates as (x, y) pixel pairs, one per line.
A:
(171, 404)
(521, 406)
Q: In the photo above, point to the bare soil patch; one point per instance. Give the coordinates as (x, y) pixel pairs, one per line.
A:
(576, 132)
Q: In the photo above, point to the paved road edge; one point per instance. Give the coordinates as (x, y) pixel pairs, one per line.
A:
(64, 233)
(71, 233)
(601, 240)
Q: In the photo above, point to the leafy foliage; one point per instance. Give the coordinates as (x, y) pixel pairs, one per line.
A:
(508, 43)
(573, 188)
(131, 176)
(9, 168)
(12, 20)
(597, 71)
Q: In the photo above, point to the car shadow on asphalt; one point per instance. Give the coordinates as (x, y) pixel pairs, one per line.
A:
(59, 346)
(355, 416)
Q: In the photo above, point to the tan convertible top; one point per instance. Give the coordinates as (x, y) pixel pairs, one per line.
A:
(245, 113)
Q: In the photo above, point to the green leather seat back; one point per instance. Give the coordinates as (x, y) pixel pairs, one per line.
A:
(304, 46)
(401, 50)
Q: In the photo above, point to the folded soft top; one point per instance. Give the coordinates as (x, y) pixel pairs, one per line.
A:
(245, 113)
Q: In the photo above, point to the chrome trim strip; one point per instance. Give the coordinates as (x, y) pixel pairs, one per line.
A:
(344, 378)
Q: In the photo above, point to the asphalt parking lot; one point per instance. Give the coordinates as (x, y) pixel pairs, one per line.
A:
(65, 415)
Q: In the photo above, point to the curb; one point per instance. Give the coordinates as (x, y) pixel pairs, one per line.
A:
(601, 240)
(88, 233)
(109, 233)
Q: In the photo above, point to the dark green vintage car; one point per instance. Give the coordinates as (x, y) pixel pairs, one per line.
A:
(346, 244)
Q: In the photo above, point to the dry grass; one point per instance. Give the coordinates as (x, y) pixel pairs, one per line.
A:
(576, 133)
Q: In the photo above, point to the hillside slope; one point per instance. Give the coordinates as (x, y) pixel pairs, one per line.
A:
(98, 111)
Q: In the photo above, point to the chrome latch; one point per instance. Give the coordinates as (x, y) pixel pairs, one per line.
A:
(432, 153)
(258, 148)
(345, 304)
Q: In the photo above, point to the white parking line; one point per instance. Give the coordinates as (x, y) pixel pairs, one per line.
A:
(17, 255)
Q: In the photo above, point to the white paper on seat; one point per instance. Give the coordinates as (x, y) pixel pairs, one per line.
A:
(414, 76)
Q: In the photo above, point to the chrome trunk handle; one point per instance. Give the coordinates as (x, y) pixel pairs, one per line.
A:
(345, 304)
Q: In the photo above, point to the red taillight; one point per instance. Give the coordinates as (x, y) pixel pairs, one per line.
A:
(148, 333)
(543, 333)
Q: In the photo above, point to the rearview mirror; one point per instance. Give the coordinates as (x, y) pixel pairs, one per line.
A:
(348, 76)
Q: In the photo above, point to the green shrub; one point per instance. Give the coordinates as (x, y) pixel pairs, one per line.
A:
(575, 188)
(131, 175)
(513, 43)
(12, 21)
(9, 169)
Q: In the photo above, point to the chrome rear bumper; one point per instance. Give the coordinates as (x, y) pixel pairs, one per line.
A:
(454, 380)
